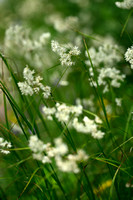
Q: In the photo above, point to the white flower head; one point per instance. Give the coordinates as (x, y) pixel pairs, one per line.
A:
(32, 84)
(6, 145)
(65, 51)
(126, 4)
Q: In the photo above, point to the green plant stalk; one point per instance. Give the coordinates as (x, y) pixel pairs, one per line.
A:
(5, 109)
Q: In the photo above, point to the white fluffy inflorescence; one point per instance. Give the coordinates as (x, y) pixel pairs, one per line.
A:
(66, 52)
(70, 115)
(88, 126)
(18, 36)
(106, 54)
(62, 25)
(126, 4)
(103, 59)
(32, 84)
(118, 101)
(113, 75)
(62, 112)
(32, 47)
(64, 161)
(129, 56)
(4, 144)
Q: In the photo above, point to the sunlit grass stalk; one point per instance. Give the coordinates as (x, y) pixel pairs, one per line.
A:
(128, 123)
(11, 72)
(54, 175)
(109, 168)
(5, 111)
(98, 88)
(37, 109)
(15, 106)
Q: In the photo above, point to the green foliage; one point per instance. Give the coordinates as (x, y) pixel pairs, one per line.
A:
(107, 173)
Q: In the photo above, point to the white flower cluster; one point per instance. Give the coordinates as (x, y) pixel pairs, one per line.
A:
(126, 4)
(62, 25)
(106, 54)
(65, 52)
(111, 74)
(63, 113)
(20, 41)
(19, 36)
(4, 144)
(32, 84)
(129, 56)
(64, 161)
(88, 103)
(103, 60)
(118, 101)
(88, 126)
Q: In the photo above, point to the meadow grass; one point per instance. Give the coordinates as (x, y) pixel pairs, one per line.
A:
(66, 100)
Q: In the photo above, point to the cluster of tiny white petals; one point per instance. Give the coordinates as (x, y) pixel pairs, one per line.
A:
(88, 126)
(126, 4)
(65, 114)
(48, 112)
(64, 161)
(32, 84)
(87, 103)
(118, 101)
(4, 144)
(65, 52)
(38, 148)
(64, 83)
(62, 112)
(21, 41)
(62, 25)
(129, 56)
(106, 54)
(19, 36)
(111, 74)
(103, 59)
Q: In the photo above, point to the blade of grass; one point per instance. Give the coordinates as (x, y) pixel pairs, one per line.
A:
(126, 22)
(29, 182)
(127, 124)
(5, 109)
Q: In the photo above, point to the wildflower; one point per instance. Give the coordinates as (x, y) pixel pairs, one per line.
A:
(21, 41)
(129, 56)
(48, 112)
(44, 38)
(64, 161)
(62, 25)
(88, 126)
(4, 144)
(64, 83)
(65, 52)
(61, 148)
(35, 144)
(106, 56)
(32, 84)
(62, 112)
(126, 4)
(114, 76)
(67, 165)
(25, 88)
(118, 101)
(98, 134)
